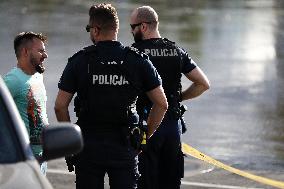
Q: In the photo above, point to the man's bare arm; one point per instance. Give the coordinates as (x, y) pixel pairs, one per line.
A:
(62, 102)
(199, 85)
(159, 108)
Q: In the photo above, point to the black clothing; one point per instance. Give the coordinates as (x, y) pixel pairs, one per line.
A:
(161, 166)
(106, 90)
(170, 61)
(107, 78)
(163, 155)
(106, 153)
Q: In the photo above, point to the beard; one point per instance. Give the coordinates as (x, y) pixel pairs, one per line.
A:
(38, 66)
(93, 39)
(138, 36)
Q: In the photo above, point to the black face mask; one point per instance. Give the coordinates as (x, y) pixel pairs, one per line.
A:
(40, 68)
(138, 37)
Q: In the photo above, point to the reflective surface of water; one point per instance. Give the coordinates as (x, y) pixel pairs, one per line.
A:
(239, 45)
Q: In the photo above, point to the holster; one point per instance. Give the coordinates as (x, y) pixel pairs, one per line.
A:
(177, 114)
(71, 162)
(137, 136)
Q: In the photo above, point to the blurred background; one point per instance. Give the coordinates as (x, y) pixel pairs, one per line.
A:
(239, 44)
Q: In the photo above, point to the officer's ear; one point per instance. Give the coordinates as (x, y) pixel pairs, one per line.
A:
(96, 30)
(143, 27)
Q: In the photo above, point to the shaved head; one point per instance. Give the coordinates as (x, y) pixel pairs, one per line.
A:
(145, 14)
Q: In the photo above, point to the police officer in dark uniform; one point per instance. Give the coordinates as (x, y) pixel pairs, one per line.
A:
(162, 164)
(107, 78)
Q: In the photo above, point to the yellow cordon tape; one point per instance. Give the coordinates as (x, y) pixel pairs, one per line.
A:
(188, 150)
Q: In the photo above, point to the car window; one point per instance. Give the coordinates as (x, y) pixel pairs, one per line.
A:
(8, 144)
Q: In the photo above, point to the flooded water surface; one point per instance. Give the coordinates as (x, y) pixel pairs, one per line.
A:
(238, 44)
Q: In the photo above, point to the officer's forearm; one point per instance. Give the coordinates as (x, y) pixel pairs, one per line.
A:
(62, 115)
(159, 108)
(61, 105)
(155, 118)
(193, 91)
(200, 84)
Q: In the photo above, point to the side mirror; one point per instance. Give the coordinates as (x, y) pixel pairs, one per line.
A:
(62, 139)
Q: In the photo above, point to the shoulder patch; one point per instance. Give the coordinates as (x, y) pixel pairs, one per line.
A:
(136, 51)
(75, 55)
(169, 41)
(90, 48)
(82, 51)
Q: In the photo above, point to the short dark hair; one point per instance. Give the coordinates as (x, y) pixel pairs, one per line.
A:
(23, 38)
(104, 16)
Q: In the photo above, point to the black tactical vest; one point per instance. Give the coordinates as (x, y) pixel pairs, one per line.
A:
(109, 98)
(165, 56)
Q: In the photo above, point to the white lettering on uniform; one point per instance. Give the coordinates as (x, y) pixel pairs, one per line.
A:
(153, 52)
(114, 77)
(125, 82)
(175, 52)
(95, 78)
(101, 79)
(158, 52)
(147, 51)
(110, 63)
(106, 80)
(165, 51)
(113, 62)
(109, 80)
(161, 52)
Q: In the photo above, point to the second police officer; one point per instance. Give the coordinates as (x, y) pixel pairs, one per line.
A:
(107, 78)
(162, 163)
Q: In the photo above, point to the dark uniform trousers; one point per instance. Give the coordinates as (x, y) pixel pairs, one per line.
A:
(162, 165)
(106, 153)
